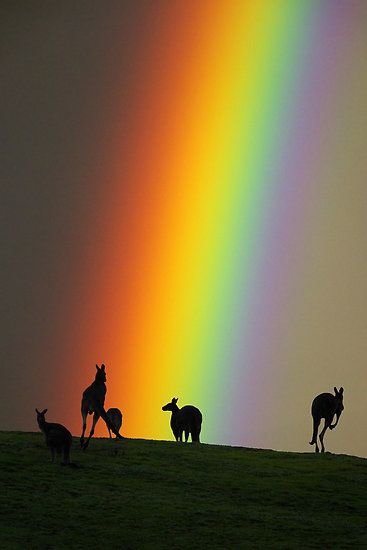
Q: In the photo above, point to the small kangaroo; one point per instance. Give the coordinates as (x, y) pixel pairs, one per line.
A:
(188, 420)
(115, 418)
(326, 405)
(93, 403)
(58, 438)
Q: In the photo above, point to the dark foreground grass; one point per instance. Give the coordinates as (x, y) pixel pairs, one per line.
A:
(137, 494)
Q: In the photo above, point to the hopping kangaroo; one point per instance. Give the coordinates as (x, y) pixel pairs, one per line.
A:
(188, 420)
(58, 438)
(325, 405)
(115, 418)
(93, 403)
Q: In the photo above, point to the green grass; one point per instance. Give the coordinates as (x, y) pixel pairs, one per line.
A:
(138, 494)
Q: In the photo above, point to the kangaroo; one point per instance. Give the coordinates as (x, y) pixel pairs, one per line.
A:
(93, 403)
(188, 420)
(326, 405)
(58, 438)
(115, 418)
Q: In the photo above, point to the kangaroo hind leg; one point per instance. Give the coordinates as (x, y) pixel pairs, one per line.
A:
(95, 420)
(84, 418)
(322, 434)
(316, 424)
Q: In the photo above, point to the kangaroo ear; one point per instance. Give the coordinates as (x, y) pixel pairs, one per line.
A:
(97, 367)
(103, 367)
(335, 391)
(341, 391)
(44, 411)
(37, 411)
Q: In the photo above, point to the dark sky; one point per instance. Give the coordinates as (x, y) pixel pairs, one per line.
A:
(58, 63)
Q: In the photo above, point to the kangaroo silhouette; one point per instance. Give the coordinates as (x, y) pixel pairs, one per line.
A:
(188, 420)
(93, 403)
(58, 438)
(326, 405)
(115, 417)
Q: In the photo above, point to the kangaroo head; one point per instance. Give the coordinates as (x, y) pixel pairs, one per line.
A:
(101, 373)
(339, 401)
(172, 406)
(41, 415)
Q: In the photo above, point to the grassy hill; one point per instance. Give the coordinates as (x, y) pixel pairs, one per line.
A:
(139, 494)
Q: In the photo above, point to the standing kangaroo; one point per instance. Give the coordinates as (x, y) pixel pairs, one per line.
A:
(115, 418)
(326, 405)
(93, 403)
(188, 420)
(58, 438)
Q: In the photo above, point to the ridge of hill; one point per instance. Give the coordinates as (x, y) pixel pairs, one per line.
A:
(141, 494)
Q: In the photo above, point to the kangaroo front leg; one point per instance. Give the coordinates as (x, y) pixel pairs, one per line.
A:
(95, 420)
(332, 426)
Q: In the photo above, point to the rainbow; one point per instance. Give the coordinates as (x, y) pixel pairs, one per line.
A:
(206, 176)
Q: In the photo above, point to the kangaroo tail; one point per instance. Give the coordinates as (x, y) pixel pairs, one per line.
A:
(314, 433)
(195, 432)
(102, 413)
